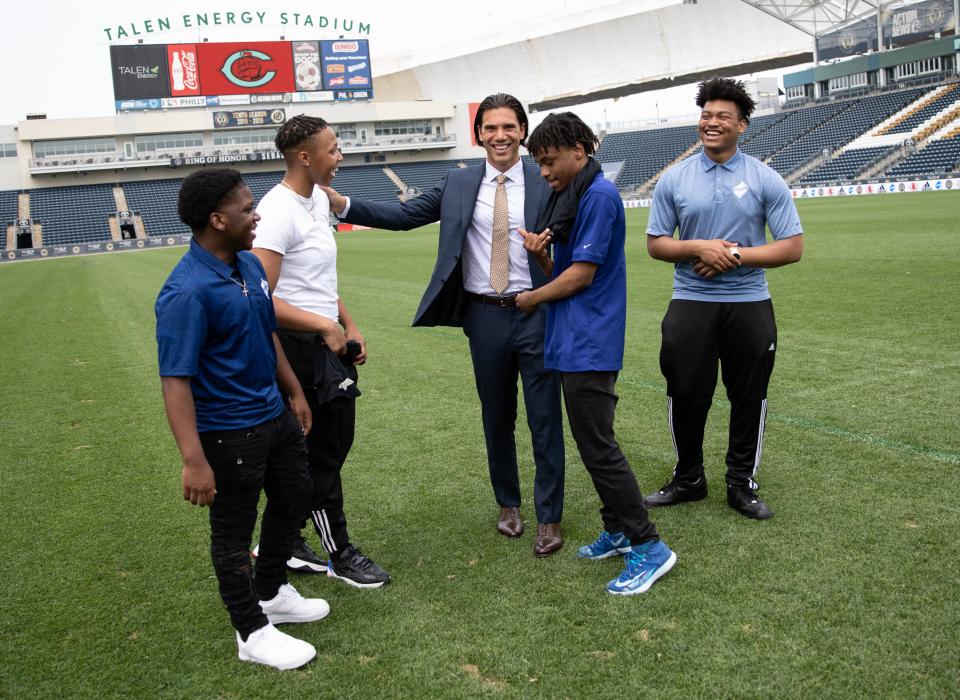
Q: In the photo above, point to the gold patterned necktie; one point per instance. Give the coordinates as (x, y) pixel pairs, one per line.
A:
(500, 244)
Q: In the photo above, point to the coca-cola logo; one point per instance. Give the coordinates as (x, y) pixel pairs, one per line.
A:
(190, 74)
(346, 47)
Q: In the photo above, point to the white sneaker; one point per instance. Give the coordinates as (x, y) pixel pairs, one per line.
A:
(271, 647)
(290, 606)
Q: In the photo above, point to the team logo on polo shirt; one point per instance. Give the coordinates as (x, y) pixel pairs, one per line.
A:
(740, 189)
(265, 287)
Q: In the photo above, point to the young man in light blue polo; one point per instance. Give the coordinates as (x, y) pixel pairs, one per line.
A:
(721, 200)
(586, 323)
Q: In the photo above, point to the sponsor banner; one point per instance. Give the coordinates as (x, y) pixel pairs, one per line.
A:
(929, 185)
(127, 105)
(901, 27)
(139, 71)
(318, 96)
(184, 69)
(474, 107)
(98, 247)
(177, 102)
(916, 23)
(227, 100)
(857, 38)
(259, 99)
(352, 227)
(346, 65)
(307, 71)
(637, 203)
(353, 95)
(250, 67)
(248, 117)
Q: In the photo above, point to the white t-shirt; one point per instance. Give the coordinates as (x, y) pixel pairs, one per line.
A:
(298, 228)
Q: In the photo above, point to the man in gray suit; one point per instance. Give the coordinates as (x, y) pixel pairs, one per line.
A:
(481, 267)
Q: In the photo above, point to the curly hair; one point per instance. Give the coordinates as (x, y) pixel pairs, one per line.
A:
(296, 130)
(202, 192)
(562, 130)
(726, 89)
(500, 100)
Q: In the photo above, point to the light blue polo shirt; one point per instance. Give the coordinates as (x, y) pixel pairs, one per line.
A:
(222, 339)
(585, 331)
(733, 201)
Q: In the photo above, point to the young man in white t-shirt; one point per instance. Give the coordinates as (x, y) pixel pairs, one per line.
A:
(295, 243)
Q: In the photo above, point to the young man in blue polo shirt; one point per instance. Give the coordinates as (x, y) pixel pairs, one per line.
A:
(219, 366)
(586, 322)
(721, 200)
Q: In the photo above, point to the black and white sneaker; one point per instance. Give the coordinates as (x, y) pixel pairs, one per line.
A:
(302, 558)
(353, 567)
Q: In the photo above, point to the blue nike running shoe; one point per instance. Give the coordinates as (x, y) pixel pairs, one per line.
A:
(645, 564)
(608, 544)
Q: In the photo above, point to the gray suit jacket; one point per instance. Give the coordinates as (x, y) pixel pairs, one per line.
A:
(452, 202)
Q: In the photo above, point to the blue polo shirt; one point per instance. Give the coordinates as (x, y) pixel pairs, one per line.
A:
(734, 201)
(585, 331)
(208, 330)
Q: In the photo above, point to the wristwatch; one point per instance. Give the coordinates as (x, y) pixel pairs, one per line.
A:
(735, 252)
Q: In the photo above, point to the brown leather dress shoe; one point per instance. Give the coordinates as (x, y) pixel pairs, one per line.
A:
(510, 523)
(549, 539)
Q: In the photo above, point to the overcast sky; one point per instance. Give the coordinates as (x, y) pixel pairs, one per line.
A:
(58, 52)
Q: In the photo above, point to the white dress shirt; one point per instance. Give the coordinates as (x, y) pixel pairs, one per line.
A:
(478, 243)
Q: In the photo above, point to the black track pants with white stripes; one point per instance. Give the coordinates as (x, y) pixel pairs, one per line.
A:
(740, 337)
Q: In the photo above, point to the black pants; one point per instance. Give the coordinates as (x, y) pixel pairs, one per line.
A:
(742, 338)
(591, 401)
(505, 344)
(328, 444)
(271, 456)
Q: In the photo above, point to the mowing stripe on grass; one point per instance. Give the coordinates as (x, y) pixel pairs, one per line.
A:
(832, 430)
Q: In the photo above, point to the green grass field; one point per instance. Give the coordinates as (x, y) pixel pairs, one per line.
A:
(851, 590)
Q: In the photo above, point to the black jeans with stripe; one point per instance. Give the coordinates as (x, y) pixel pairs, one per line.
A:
(740, 337)
(328, 443)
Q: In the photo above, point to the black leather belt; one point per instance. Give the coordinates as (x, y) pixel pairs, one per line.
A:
(506, 302)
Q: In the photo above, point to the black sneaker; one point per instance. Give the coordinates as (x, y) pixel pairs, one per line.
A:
(302, 558)
(675, 491)
(356, 569)
(744, 500)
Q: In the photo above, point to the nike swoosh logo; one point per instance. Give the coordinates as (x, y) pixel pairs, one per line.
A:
(587, 245)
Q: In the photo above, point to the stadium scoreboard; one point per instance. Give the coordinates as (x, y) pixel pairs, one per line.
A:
(165, 76)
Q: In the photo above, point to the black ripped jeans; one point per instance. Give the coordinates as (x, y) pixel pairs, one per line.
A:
(271, 457)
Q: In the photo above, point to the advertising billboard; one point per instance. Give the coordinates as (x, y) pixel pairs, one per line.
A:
(164, 76)
(902, 26)
(245, 68)
(248, 117)
(184, 68)
(346, 64)
(139, 71)
(308, 72)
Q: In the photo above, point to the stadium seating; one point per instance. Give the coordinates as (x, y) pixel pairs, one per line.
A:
(8, 206)
(794, 124)
(846, 166)
(909, 123)
(73, 214)
(851, 120)
(366, 181)
(942, 156)
(645, 153)
(156, 201)
(423, 175)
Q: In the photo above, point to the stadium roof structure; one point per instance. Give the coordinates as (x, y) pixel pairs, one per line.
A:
(620, 49)
(818, 17)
